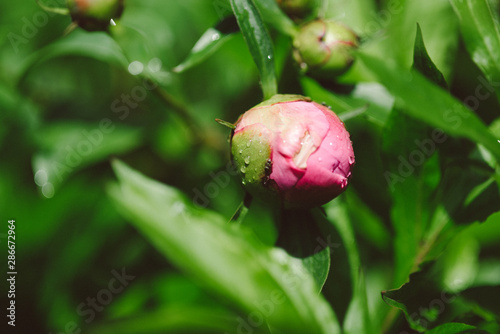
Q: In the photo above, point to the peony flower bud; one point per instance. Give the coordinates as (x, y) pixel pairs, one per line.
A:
(324, 48)
(94, 15)
(292, 151)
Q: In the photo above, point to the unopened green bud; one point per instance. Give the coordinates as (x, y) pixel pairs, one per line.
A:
(323, 48)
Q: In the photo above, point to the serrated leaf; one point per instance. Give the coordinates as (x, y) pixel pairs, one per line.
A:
(428, 102)
(481, 33)
(226, 258)
(208, 43)
(259, 43)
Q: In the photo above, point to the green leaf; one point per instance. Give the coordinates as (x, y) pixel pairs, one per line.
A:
(481, 33)
(357, 319)
(226, 258)
(208, 43)
(299, 236)
(345, 106)
(99, 46)
(259, 43)
(397, 24)
(425, 101)
(421, 299)
(423, 63)
(173, 319)
(66, 147)
(274, 16)
(451, 328)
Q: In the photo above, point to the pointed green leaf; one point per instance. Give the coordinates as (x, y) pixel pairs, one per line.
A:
(226, 258)
(259, 43)
(208, 43)
(423, 63)
(428, 102)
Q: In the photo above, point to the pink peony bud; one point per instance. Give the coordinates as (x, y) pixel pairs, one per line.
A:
(292, 149)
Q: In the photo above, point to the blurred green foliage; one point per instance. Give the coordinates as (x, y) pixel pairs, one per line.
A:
(106, 253)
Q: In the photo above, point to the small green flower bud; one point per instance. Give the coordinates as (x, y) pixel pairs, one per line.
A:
(323, 48)
(94, 15)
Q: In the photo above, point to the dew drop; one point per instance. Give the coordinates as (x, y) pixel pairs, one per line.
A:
(241, 151)
(351, 160)
(331, 143)
(243, 169)
(249, 143)
(320, 159)
(247, 160)
(243, 182)
(215, 37)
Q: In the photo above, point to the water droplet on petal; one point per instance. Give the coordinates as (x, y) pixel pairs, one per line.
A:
(215, 37)
(320, 159)
(351, 160)
(331, 143)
